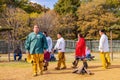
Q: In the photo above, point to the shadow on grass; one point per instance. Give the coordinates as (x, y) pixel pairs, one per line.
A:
(62, 71)
(112, 66)
(115, 66)
(66, 72)
(97, 66)
(97, 70)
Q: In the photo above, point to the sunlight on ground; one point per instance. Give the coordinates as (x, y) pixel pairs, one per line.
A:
(23, 71)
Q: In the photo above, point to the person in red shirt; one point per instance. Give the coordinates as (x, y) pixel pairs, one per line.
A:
(79, 50)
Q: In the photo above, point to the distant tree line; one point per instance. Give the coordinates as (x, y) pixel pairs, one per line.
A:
(68, 17)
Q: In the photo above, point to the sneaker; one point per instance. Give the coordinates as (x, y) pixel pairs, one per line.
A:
(57, 68)
(41, 72)
(74, 66)
(45, 69)
(104, 68)
(108, 65)
(35, 74)
(63, 68)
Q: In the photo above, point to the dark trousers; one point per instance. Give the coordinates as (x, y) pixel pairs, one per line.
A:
(19, 56)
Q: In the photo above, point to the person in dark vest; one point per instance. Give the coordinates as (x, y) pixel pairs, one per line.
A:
(17, 52)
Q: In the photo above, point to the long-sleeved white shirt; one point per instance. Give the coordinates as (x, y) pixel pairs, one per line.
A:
(60, 45)
(103, 44)
(49, 41)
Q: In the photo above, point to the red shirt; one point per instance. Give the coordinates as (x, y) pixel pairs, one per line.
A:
(80, 48)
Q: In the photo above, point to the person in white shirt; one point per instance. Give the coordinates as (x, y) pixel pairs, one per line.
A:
(49, 50)
(104, 49)
(49, 41)
(60, 46)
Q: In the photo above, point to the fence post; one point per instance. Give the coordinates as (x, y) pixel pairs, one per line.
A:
(111, 45)
(91, 45)
(8, 47)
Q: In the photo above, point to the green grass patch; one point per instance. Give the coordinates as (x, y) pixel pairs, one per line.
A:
(15, 64)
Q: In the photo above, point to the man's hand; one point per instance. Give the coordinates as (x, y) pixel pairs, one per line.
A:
(50, 52)
(53, 51)
(101, 50)
(27, 52)
(45, 51)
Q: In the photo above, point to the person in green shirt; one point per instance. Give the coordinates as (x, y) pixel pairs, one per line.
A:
(36, 45)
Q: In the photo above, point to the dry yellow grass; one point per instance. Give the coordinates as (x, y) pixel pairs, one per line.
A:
(23, 71)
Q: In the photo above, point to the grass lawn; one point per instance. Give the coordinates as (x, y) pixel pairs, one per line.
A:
(23, 71)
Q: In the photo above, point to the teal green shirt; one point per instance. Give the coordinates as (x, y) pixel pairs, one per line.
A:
(36, 43)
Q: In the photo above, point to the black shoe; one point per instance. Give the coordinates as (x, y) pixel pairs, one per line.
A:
(35, 74)
(45, 68)
(57, 68)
